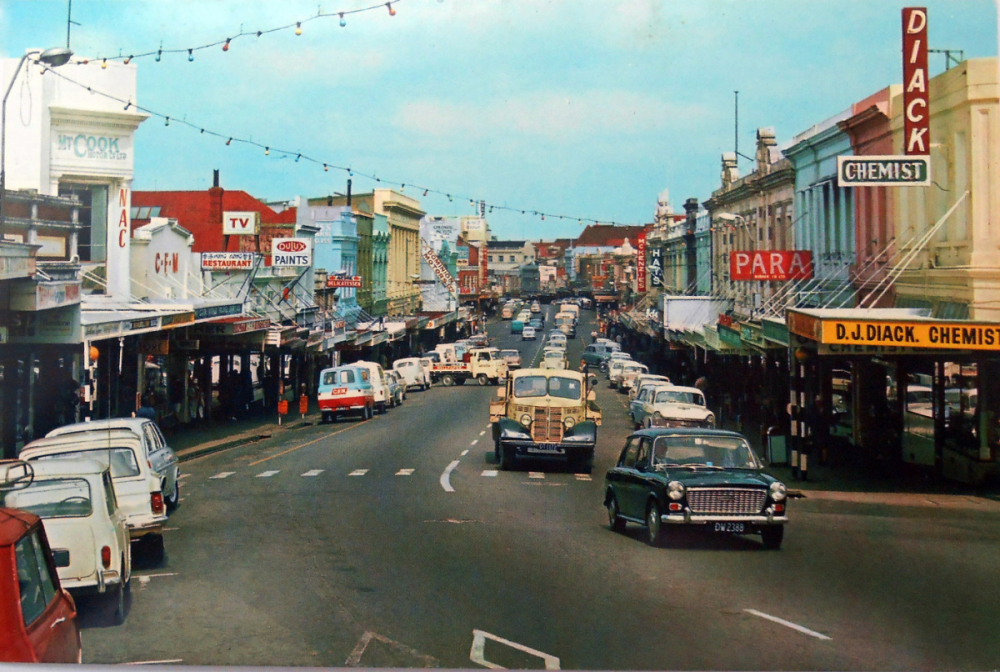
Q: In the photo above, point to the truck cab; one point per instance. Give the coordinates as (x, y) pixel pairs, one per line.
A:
(566, 323)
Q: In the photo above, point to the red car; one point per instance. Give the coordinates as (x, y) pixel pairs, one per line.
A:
(37, 617)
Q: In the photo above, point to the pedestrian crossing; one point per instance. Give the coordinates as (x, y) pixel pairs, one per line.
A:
(408, 471)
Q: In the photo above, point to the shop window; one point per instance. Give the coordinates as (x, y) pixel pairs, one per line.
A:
(93, 219)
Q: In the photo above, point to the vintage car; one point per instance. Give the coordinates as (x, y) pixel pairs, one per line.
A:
(596, 353)
(513, 359)
(397, 388)
(545, 414)
(379, 388)
(553, 359)
(536, 307)
(706, 478)
(161, 458)
(528, 334)
(516, 326)
(607, 364)
(137, 488)
(624, 378)
(37, 615)
(413, 372)
(90, 544)
(557, 338)
(671, 406)
(346, 389)
(536, 324)
(646, 379)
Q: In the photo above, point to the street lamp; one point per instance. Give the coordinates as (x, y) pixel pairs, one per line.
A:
(50, 57)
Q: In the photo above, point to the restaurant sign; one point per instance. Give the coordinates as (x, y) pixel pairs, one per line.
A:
(770, 265)
(227, 261)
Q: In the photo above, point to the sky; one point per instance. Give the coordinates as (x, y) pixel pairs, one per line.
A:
(582, 108)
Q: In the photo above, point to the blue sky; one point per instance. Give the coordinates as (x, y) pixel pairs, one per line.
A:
(587, 108)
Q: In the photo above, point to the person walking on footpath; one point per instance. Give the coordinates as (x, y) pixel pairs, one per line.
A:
(146, 409)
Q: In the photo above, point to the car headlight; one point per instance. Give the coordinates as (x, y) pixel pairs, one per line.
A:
(778, 491)
(525, 419)
(675, 490)
(657, 415)
(569, 421)
(710, 420)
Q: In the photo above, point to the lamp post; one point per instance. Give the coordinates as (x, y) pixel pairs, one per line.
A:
(50, 57)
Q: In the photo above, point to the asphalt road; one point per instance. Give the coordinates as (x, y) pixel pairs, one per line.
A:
(339, 545)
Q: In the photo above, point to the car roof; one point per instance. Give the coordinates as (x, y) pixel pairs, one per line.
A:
(520, 373)
(74, 442)
(132, 424)
(76, 466)
(14, 523)
(686, 431)
(679, 388)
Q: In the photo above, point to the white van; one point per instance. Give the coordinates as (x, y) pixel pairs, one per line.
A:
(378, 383)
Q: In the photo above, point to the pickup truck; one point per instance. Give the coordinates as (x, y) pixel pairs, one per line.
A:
(485, 365)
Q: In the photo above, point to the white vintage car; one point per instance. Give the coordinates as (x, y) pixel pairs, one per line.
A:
(615, 363)
(162, 459)
(137, 487)
(625, 377)
(612, 357)
(553, 358)
(86, 530)
(670, 406)
(646, 379)
(413, 372)
(557, 338)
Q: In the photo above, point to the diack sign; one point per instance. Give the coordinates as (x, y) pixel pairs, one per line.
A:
(932, 335)
(916, 111)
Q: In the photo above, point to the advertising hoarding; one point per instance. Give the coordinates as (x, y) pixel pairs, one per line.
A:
(240, 223)
(770, 265)
(291, 252)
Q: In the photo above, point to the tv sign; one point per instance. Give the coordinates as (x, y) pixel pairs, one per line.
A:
(291, 252)
(770, 265)
(240, 223)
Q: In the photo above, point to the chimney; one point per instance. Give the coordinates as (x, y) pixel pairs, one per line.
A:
(215, 201)
(730, 173)
(348, 193)
(215, 177)
(765, 141)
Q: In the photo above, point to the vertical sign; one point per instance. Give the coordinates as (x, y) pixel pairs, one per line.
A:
(916, 111)
(655, 268)
(640, 263)
(482, 209)
(119, 241)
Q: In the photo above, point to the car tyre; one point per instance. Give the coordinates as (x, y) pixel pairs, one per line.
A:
(483, 380)
(155, 548)
(772, 536)
(174, 500)
(506, 458)
(116, 598)
(654, 526)
(615, 521)
(447, 380)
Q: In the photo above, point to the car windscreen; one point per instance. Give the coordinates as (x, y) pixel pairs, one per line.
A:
(55, 498)
(713, 451)
(673, 397)
(564, 388)
(123, 462)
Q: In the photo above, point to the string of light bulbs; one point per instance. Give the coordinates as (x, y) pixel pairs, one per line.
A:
(226, 41)
(327, 165)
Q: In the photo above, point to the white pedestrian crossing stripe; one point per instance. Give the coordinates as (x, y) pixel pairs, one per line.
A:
(490, 473)
(313, 472)
(535, 474)
(404, 472)
(222, 474)
(267, 474)
(582, 477)
(358, 472)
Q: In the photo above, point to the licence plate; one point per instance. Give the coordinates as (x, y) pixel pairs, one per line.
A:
(339, 390)
(736, 528)
(547, 448)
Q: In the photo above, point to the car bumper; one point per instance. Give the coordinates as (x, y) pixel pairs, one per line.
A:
(142, 527)
(99, 582)
(564, 451)
(688, 518)
(353, 403)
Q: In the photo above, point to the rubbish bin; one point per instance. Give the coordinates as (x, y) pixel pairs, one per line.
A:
(777, 451)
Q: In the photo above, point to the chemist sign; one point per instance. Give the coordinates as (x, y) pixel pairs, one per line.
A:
(884, 171)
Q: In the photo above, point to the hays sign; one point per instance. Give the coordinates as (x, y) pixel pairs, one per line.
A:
(770, 265)
(291, 252)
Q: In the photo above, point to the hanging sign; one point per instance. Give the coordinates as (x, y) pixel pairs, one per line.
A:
(916, 108)
(770, 265)
(291, 252)
(440, 270)
(333, 281)
(240, 223)
(640, 263)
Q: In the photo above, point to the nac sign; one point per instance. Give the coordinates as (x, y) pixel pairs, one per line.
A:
(291, 252)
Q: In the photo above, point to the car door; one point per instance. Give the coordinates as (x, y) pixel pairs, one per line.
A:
(643, 479)
(635, 407)
(628, 480)
(159, 456)
(118, 522)
(49, 615)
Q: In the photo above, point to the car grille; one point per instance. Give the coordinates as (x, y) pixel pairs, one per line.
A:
(671, 422)
(739, 501)
(547, 425)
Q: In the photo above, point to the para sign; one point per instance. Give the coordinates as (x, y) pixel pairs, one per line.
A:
(916, 111)
(770, 265)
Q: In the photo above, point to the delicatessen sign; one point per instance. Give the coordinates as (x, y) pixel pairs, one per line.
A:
(334, 281)
(770, 265)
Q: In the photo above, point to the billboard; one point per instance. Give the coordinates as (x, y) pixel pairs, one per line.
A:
(240, 223)
(291, 252)
(916, 110)
(227, 261)
(770, 265)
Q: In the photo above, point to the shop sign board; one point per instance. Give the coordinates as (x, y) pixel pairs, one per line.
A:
(240, 223)
(187, 344)
(335, 281)
(884, 171)
(753, 335)
(95, 148)
(178, 320)
(916, 108)
(932, 334)
(16, 267)
(725, 320)
(291, 252)
(655, 267)
(640, 263)
(227, 261)
(223, 310)
(157, 346)
(44, 295)
(440, 270)
(770, 265)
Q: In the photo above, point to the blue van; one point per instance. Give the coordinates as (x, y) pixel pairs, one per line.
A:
(346, 389)
(516, 326)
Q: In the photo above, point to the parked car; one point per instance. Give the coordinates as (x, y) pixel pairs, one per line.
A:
(86, 530)
(377, 378)
(346, 389)
(607, 364)
(706, 478)
(536, 307)
(397, 388)
(513, 359)
(161, 458)
(37, 615)
(671, 406)
(646, 379)
(413, 372)
(528, 334)
(624, 380)
(137, 487)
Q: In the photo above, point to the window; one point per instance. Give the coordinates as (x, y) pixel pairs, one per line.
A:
(34, 580)
(154, 212)
(55, 498)
(721, 451)
(109, 493)
(123, 462)
(143, 213)
(642, 459)
(631, 450)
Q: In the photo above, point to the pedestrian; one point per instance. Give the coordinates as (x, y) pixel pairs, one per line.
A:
(146, 409)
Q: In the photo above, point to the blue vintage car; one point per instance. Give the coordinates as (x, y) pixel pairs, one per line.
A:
(346, 389)
(705, 478)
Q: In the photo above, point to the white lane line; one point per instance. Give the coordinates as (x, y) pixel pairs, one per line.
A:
(313, 472)
(144, 579)
(477, 653)
(179, 478)
(222, 474)
(474, 442)
(170, 529)
(482, 432)
(582, 477)
(465, 452)
(446, 477)
(358, 472)
(267, 474)
(489, 425)
(490, 473)
(535, 474)
(788, 624)
(404, 472)
(156, 662)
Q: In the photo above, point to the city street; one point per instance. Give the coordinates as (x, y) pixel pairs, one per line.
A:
(399, 542)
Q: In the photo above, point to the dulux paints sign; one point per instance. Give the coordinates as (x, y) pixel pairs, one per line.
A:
(291, 252)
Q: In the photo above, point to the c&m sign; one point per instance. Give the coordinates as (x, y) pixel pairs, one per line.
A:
(930, 335)
(770, 265)
(884, 171)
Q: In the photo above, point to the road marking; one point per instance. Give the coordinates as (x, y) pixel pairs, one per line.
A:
(156, 662)
(170, 529)
(222, 474)
(358, 472)
(482, 432)
(465, 452)
(308, 443)
(145, 578)
(490, 473)
(474, 442)
(404, 472)
(477, 655)
(179, 478)
(354, 660)
(446, 477)
(535, 474)
(313, 472)
(582, 477)
(267, 474)
(787, 624)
